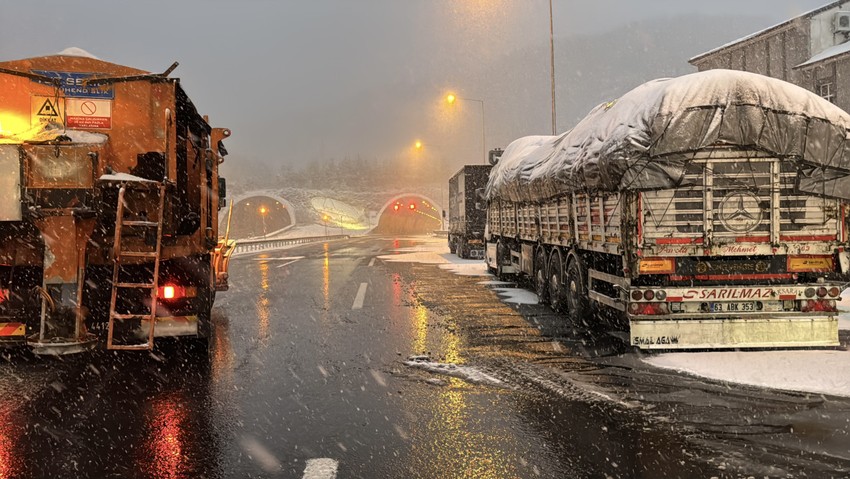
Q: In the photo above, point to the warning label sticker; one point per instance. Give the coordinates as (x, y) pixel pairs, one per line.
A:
(88, 113)
(47, 110)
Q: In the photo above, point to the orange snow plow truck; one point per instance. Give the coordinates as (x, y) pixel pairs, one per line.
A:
(109, 200)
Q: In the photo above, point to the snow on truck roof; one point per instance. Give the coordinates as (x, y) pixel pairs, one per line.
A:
(645, 139)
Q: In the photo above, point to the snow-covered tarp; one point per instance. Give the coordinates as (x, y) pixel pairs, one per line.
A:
(645, 139)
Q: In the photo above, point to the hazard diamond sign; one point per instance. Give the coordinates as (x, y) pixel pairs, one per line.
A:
(88, 113)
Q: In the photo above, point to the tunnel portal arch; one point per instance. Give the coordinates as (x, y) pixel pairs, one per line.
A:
(271, 222)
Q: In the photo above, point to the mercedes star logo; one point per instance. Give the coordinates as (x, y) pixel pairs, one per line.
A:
(740, 211)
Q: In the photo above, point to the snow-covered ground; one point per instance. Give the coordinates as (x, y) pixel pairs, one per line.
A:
(815, 371)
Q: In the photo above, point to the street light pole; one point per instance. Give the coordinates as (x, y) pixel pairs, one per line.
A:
(451, 99)
(552, 63)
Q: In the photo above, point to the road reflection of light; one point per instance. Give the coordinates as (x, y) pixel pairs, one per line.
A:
(222, 359)
(420, 317)
(166, 458)
(456, 448)
(326, 282)
(396, 289)
(263, 304)
(10, 462)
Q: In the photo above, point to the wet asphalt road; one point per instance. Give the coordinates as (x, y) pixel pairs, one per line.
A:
(308, 363)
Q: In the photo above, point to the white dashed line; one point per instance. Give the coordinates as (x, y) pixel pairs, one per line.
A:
(361, 296)
(372, 263)
(323, 468)
(287, 263)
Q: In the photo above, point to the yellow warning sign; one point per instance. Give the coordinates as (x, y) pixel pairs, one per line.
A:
(47, 110)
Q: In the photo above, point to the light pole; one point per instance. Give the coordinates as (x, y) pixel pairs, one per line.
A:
(451, 98)
(263, 212)
(325, 220)
(552, 63)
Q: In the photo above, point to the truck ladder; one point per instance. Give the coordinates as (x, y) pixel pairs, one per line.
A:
(120, 282)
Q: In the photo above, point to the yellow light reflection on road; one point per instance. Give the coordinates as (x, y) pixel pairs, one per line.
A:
(326, 283)
(165, 458)
(263, 304)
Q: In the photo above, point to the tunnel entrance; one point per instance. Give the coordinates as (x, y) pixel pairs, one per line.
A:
(409, 215)
(256, 217)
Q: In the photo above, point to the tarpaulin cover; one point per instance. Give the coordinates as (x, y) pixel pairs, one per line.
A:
(644, 139)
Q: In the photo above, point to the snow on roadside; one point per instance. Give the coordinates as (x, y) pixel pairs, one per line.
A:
(435, 251)
(815, 371)
(821, 372)
(516, 295)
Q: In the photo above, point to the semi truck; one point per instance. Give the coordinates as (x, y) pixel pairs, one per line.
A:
(109, 199)
(699, 212)
(467, 212)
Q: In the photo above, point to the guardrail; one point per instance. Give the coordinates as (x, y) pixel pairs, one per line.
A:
(257, 245)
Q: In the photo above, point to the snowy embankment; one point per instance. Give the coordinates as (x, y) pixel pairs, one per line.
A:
(815, 371)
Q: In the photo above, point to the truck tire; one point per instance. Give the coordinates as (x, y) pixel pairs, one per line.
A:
(541, 282)
(501, 253)
(557, 297)
(452, 246)
(578, 304)
(463, 249)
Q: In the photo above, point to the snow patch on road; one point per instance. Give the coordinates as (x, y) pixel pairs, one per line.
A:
(467, 373)
(821, 372)
(517, 296)
(844, 310)
(435, 251)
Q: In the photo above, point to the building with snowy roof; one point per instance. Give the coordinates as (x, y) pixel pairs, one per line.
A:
(811, 51)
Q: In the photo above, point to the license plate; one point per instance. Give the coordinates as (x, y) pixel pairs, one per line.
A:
(737, 307)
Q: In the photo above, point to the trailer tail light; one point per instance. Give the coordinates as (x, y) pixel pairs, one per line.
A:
(810, 305)
(810, 264)
(170, 292)
(657, 266)
(649, 308)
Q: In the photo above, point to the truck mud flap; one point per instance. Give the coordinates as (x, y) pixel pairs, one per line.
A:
(734, 333)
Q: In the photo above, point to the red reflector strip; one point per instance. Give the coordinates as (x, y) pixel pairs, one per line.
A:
(732, 276)
(4, 295)
(12, 329)
(808, 238)
(786, 297)
(752, 239)
(674, 299)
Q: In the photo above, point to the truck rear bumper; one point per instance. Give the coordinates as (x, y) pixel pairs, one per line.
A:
(734, 333)
(172, 326)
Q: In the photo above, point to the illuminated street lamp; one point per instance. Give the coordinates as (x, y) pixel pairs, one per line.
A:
(451, 98)
(263, 211)
(325, 220)
(418, 145)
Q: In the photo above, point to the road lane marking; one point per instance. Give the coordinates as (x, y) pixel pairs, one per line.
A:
(324, 468)
(361, 296)
(372, 263)
(287, 263)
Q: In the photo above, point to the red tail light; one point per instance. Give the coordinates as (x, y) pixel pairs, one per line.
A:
(649, 308)
(809, 305)
(171, 292)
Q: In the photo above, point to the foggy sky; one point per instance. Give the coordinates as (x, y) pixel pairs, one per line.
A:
(303, 80)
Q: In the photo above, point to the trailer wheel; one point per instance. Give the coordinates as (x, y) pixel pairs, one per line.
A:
(501, 254)
(557, 298)
(577, 302)
(463, 249)
(452, 247)
(540, 279)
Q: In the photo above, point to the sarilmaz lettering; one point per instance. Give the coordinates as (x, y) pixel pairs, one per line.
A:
(748, 293)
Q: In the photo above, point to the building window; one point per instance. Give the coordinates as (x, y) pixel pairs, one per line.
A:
(826, 89)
